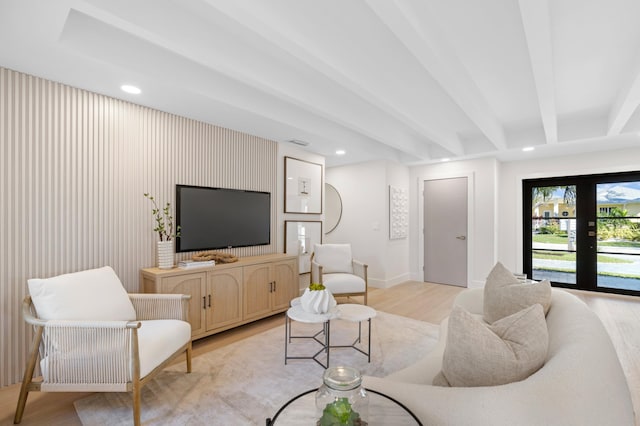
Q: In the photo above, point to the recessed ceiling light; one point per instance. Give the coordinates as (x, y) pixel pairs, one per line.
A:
(444, 160)
(528, 148)
(341, 152)
(130, 89)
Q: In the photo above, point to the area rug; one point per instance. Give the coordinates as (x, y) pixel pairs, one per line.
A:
(247, 382)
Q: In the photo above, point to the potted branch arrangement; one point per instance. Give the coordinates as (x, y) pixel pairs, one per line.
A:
(164, 228)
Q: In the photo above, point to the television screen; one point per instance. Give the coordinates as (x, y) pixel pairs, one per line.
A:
(214, 218)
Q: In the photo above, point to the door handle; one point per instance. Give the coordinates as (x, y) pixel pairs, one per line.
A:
(461, 237)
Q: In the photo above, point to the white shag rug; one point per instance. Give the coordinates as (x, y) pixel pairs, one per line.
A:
(247, 382)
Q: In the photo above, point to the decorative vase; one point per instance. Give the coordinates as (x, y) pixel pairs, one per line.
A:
(341, 399)
(165, 254)
(317, 301)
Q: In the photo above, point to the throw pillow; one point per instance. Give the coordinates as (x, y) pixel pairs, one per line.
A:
(505, 295)
(479, 354)
(95, 294)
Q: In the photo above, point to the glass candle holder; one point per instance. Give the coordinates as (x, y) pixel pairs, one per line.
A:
(341, 400)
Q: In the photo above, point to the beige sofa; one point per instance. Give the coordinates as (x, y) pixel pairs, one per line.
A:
(581, 383)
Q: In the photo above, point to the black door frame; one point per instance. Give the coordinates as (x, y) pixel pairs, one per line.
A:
(586, 222)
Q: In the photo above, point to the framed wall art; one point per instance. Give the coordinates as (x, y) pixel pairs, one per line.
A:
(398, 213)
(302, 186)
(299, 238)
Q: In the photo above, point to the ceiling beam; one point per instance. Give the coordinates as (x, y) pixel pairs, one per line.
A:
(627, 101)
(537, 30)
(315, 60)
(406, 143)
(419, 31)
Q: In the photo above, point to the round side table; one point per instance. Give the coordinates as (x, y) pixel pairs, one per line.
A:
(357, 313)
(296, 313)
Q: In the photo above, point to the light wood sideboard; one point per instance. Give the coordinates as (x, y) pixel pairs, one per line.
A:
(228, 295)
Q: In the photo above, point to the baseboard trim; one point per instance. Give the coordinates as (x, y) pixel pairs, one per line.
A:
(377, 283)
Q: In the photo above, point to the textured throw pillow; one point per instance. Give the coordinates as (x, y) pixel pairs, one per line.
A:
(505, 295)
(95, 294)
(334, 258)
(479, 354)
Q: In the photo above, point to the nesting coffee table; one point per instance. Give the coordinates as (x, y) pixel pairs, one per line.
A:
(346, 312)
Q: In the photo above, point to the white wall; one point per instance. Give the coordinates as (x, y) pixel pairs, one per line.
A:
(365, 218)
(510, 190)
(482, 176)
(495, 209)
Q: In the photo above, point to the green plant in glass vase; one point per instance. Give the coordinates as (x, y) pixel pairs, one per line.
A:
(340, 413)
(163, 220)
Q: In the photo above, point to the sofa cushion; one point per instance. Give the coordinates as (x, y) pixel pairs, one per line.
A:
(505, 295)
(343, 283)
(479, 354)
(333, 258)
(158, 340)
(95, 294)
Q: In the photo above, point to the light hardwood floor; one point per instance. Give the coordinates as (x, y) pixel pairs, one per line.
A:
(418, 300)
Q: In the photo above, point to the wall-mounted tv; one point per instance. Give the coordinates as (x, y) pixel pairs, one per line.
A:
(215, 218)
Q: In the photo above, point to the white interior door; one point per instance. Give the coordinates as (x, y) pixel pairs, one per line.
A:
(445, 231)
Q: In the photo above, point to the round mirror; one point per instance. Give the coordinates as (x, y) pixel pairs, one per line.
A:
(333, 208)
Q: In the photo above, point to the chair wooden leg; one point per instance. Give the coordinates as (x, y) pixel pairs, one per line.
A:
(189, 353)
(22, 401)
(136, 403)
(28, 376)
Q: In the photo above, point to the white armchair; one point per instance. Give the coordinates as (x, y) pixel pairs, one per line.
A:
(333, 266)
(92, 336)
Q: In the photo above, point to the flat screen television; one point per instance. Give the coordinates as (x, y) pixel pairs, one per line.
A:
(215, 218)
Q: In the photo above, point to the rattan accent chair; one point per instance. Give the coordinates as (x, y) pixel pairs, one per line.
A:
(81, 350)
(333, 266)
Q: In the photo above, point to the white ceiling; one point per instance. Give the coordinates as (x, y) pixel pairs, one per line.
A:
(409, 80)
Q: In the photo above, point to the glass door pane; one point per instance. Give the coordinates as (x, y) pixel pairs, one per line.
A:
(618, 231)
(553, 233)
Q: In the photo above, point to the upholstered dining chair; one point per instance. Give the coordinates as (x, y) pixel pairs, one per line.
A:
(333, 266)
(93, 336)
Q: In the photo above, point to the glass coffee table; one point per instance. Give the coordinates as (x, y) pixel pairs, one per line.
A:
(383, 410)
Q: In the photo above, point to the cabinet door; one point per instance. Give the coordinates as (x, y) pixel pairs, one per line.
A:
(257, 290)
(195, 285)
(225, 292)
(286, 283)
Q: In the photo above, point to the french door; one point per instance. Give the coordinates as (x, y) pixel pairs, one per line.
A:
(583, 232)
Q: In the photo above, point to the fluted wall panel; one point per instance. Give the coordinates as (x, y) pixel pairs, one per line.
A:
(73, 169)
